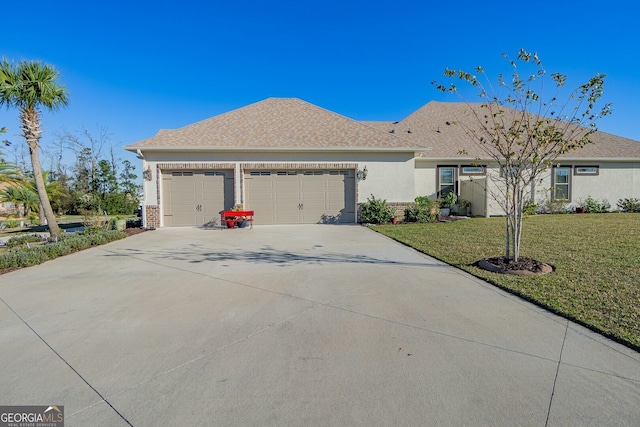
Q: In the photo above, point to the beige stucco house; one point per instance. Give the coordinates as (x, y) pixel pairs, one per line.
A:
(293, 162)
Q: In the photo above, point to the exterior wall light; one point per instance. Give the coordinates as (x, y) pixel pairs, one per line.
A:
(147, 175)
(362, 174)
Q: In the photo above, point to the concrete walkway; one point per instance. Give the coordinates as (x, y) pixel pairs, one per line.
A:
(295, 326)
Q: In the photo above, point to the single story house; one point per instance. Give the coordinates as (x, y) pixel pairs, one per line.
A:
(293, 162)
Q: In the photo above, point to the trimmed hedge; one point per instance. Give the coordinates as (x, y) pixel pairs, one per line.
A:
(26, 257)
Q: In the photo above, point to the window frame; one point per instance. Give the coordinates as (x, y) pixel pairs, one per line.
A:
(439, 181)
(555, 184)
(576, 170)
(481, 173)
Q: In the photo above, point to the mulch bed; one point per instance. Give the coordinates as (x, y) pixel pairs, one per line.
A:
(523, 267)
(9, 269)
(134, 231)
(452, 218)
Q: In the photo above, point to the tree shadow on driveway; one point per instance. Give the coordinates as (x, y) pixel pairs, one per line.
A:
(266, 255)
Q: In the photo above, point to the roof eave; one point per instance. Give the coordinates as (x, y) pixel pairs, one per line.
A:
(134, 149)
(598, 159)
(561, 159)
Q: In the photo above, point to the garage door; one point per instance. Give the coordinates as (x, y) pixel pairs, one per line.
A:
(301, 197)
(195, 197)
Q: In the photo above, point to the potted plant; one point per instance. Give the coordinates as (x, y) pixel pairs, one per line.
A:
(449, 200)
(234, 220)
(463, 207)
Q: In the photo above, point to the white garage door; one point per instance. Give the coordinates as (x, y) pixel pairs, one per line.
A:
(195, 197)
(301, 197)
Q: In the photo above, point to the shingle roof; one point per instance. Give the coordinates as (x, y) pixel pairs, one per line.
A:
(277, 123)
(290, 123)
(433, 126)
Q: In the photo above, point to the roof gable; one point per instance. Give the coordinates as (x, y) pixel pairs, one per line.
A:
(276, 123)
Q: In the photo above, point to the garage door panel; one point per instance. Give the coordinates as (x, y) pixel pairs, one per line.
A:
(286, 183)
(316, 199)
(314, 185)
(264, 198)
(182, 196)
(193, 198)
(288, 197)
(213, 195)
(287, 218)
(336, 185)
(304, 197)
(315, 207)
(286, 208)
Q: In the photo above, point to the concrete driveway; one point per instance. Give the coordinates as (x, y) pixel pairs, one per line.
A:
(295, 326)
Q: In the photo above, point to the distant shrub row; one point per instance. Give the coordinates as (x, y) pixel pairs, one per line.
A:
(34, 255)
(23, 240)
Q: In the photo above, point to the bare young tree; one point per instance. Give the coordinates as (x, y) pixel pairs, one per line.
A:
(523, 130)
(88, 150)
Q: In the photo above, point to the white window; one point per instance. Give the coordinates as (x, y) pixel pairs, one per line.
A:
(561, 183)
(446, 180)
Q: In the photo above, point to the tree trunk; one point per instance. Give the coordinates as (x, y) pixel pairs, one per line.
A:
(54, 230)
(518, 215)
(41, 217)
(507, 246)
(31, 128)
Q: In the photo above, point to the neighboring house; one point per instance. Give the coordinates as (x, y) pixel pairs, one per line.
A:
(293, 162)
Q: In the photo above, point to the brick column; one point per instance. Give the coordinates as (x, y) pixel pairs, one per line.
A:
(151, 216)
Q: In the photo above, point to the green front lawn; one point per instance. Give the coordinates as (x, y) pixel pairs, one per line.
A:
(596, 257)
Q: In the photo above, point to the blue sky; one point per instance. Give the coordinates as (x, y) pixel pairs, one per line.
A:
(135, 67)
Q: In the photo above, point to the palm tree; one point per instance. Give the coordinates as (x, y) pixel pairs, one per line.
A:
(53, 188)
(29, 86)
(10, 173)
(21, 195)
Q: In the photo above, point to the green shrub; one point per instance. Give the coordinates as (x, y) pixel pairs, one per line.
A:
(376, 211)
(21, 240)
(33, 218)
(629, 205)
(26, 257)
(530, 208)
(592, 205)
(119, 204)
(423, 210)
(93, 229)
(552, 206)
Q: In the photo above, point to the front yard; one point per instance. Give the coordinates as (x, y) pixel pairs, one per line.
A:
(596, 257)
